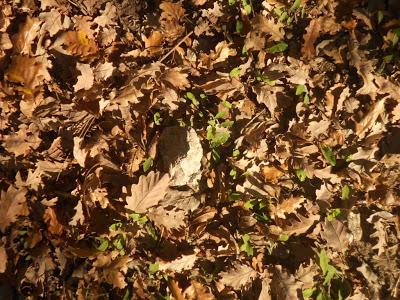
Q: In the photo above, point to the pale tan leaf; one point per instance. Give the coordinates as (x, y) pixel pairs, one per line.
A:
(28, 31)
(104, 71)
(76, 43)
(197, 291)
(337, 235)
(3, 259)
(167, 219)
(312, 33)
(285, 285)
(238, 276)
(287, 206)
(86, 79)
(12, 205)
(370, 118)
(23, 141)
(79, 217)
(152, 44)
(176, 78)
(51, 219)
(186, 262)
(150, 189)
(269, 26)
(51, 22)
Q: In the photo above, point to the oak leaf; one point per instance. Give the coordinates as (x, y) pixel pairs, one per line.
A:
(86, 79)
(51, 219)
(77, 43)
(28, 71)
(12, 205)
(23, 141)
(238, 277)
(150, 189)
(197, 291)
(28, 31)
(169, 220)
(186, 262)
(337, 235)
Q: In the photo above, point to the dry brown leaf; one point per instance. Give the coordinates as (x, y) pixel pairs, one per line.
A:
(150, 189)
(23, 141)
(170, 19)
(199, 2)
(271, 173)
(28, 71)
(79, 217)
(108, 16)
(28, 31)
(169, 220)
(152, 44)
(370, 118)
(238, 276)
(312, 33)
(86, 79)
(51, 219)
(51, 22)
(287, 206)
(12, 205)
(263, 24)
(197, 291)
(285, 286)
(337, 235)
(3, 259)
(77, 43)
(186, 262)
(176, 78)
(103, 71)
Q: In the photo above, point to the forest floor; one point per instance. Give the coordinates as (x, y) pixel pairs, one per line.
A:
(230, 149)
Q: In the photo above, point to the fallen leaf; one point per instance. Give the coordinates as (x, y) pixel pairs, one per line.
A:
(12, 205)
(311, 35)
(238, 276)
(86, 79)
(337, 235)
(147, 192)
(27, 32)
(186, 262)
(3, 259)
(51, 219)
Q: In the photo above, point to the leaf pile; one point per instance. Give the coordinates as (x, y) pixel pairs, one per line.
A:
(199, 149)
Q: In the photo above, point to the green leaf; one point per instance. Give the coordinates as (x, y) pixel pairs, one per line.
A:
(136, 217)
(301, 89)
(157, 118)
(330, 273)
(239, 26)
(307, 293)
(231, 2)
(380, 16)
(153, 268)
(246, 247)
(148, 163)
(119, 243)
(301, 175)
(233, 173)
(103, 244)
(235, 72)
(306, 99)
(295, 5)
(388, 58)
(345, 192)
(227, 123)
(284, 237)
(329, 155)
(280, 47)
(323, 262)
(227, 104)
(333, 213)
(235, 153)
(250, 204)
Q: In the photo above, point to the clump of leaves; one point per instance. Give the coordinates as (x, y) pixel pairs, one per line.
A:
(330, 285)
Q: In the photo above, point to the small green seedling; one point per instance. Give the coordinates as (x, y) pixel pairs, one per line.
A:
(345, 192)
(329, 155)
(333, 213)
(301, 175)
(302, 91)
(246, 246)
(148, 163)
(277, 48)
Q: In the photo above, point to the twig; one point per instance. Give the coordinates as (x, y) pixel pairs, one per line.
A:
(176, 46)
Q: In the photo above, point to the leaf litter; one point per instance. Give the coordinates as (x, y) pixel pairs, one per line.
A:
(199, 149)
